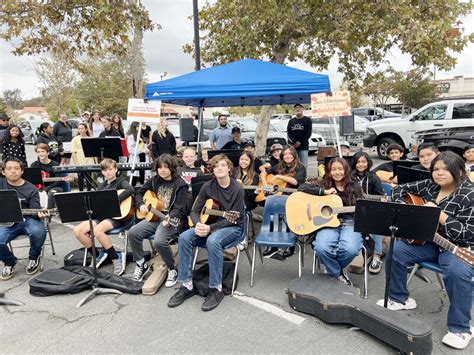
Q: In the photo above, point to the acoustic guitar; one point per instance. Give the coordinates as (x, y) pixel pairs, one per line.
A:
(385, 176)
(154, 214)
(212, 210)
(464, 254)
(307, 213)
(47, 178)
(276, 188)
(33, 212)
(127, 208)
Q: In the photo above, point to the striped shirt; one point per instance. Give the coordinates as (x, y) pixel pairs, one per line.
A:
(459, 206)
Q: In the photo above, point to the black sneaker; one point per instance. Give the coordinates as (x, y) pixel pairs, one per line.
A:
(33, 266)
(344, 278)
(140, 271)
(212, 300)
(269, 251)
(180, 296)
(8, 272)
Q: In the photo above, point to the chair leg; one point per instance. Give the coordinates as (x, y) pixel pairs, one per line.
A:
(48, 230)
(260, 252)
(196, 252)
(302, 252)
(235, 270)
(314, 264)
(253, 264)
(85, 257)
(441, 282)
(300, 257)
(125, 248)
(412, 273)
(366, 273)
(249, 257)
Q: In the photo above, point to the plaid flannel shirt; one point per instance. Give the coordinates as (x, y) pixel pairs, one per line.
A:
(459, 206)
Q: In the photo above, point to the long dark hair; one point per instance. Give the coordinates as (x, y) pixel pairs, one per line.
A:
(454, 163)
(88, 133)
(356, 158)
(43, 127)
(169, 161)
(351, 190)
(282, 168)
(8, 137)
(133, 130)
(248, 178)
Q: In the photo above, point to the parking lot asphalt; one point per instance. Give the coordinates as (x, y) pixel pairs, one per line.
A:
(257, 320)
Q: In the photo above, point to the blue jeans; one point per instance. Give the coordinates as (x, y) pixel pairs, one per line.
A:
(378, 239)
(457, 277)
(337, 247)
(33, 228)
(215, 243)
(303, 156)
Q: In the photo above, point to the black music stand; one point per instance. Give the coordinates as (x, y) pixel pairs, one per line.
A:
(33, 175)
(10, 215)
(396, 220)
(102, 148)
(406, 174)
(90, 205)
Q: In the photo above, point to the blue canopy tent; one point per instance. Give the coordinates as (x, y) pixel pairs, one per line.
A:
(248, 82)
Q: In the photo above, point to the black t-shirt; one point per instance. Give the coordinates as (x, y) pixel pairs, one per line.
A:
(300, 130)
(27, 193)
(146, 134)
(234, 145)
(299, 173)
(48, 169)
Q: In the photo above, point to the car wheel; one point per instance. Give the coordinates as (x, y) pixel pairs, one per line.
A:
(383, 145)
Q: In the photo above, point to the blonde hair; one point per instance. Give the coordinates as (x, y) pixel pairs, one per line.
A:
(160, 127)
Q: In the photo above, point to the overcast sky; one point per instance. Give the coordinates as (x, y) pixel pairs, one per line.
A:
(163, 52)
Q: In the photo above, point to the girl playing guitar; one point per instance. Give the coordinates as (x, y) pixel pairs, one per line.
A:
(245, 172)
(289, 169)
(336, 247)
(450, 190)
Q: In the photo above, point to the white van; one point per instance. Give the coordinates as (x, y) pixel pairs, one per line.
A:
(447, 113)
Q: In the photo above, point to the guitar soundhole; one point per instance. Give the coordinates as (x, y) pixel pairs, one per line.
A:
(326, 211)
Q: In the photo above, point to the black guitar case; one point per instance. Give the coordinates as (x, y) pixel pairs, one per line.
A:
(333, 302)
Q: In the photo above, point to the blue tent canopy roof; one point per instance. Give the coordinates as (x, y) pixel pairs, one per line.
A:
(248, 82)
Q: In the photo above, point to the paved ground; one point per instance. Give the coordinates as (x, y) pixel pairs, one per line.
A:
(241, 324)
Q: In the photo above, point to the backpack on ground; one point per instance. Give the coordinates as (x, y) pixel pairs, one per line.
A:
(201, 278)
(59, 281)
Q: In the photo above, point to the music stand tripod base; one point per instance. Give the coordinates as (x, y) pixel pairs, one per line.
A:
(7, 302)
(98, 291)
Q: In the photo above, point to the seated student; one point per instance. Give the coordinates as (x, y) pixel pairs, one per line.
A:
(216, 236)
(249, 146)
(236, 142)
(426, 153)
(469, 159)
(46, 165)
(371, 185)
(247, 176)
(171, 190)
(32, 226)
(289, 170)
(345, 151)
(108, 168)
(189, 170)
(202, 162)
(275, 157)
(451, 191)
(336, 247)
(394, 152)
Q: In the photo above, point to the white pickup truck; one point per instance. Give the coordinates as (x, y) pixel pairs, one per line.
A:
(448, 113)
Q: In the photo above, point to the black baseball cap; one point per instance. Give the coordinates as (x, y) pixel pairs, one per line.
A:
(235, 130)
(4, 116)
(298, 105)
(249, 144)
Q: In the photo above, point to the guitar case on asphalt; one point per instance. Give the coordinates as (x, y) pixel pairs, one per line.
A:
(159, 273)
(333, 302)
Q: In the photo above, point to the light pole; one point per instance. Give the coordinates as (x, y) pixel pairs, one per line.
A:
(163, 75)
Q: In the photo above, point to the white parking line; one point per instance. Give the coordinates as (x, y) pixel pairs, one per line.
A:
(267, 307)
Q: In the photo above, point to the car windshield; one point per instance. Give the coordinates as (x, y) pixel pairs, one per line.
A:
(281, 125)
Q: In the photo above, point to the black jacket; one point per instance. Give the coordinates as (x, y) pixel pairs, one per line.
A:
(370, 183)
(300, 130)
(118, 184)
(163, 145)
(54, 144)
(63, 132)
(112, 132)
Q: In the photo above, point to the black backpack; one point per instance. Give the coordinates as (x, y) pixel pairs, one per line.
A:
(59, 281)
(201, 278)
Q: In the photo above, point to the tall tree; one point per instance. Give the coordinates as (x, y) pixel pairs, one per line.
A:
(359, 33)
(415, 88)
(12, 98)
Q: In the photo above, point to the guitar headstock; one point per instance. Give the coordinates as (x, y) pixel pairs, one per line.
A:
(465, 254)
(232, 216)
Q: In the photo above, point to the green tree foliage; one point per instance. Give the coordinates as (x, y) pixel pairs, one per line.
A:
(359, 33)
(72, 28)
(379, 86)
(12, 98)
(415, 88)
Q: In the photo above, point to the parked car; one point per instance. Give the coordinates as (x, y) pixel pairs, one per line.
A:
(315, 141)
(323, 127)
(247, 127)
(29, 129)
(454, 139)
(374, 113)
(440, 114)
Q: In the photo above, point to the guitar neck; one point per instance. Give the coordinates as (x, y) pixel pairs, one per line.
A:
(53, 179)
(216, 213)
(158, 213)
(346, 209)
(34, 211)
(444, 243)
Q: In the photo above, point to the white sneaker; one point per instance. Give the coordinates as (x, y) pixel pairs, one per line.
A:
(172, 278)
(410, 303)
(458, 340)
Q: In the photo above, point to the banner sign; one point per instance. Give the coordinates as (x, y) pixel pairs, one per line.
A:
(339, 104)
(141, 111)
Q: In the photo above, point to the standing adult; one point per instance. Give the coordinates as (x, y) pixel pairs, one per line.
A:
(45, 135)
(162, 140)
(63, 131)
(236, 142)
(79, 157)
(299, 132)
(134, 142)
(109, 129)
(95, 124)
(86, 115)
(221, 134)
